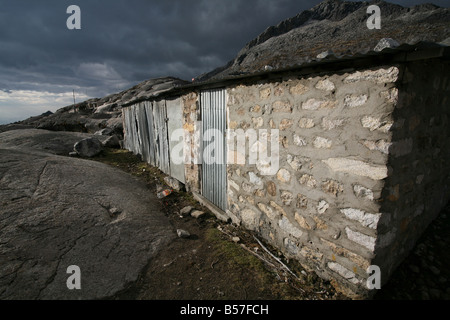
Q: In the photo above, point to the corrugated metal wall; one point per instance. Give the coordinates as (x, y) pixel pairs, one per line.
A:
(149, 126)
(131, 141)
(174, 126)
(142, 131)
(214, 184)
(162, 138)
(146, 132)
(148, 109)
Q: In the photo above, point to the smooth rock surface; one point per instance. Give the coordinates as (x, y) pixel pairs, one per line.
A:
(57, 212)
(54, 142)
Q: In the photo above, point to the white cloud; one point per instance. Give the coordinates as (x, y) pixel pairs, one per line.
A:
(18, 105)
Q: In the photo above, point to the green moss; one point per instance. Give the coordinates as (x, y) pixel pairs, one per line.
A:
(234, 253)
(264, 279)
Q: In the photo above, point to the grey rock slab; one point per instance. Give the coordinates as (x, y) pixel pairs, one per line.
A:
(112, 142)
(386, 43)
(89, 147)
(55, 212)
(55, 142)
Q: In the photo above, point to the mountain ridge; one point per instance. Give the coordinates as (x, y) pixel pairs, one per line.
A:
(339, 26)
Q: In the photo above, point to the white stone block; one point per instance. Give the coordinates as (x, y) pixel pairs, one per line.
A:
(255, 180)
(378, 76)
(294, 161)
(322, 143)
(315, 104)
(233, 184)
(288, 227)
(362, 192)
(250, 219)
(330, 124)
(356, 167)
(373, 124)
(380, 145)
(369, 220)
(361, 239)
(268, 211)
(284, 176)
(322, 207)
(341, 270)
(299, 141)
(353, 101)
(306, 123)
(325, 85)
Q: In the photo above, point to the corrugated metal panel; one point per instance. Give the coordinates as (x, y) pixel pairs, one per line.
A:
(214, 183)
(175, 124)
(162, 145)
(142, 125)
(148, 108)
(137, 135)
(131, 133)
(127, 141)
(146, 133)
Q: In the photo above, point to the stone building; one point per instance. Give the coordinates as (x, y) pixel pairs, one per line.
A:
(359, 155)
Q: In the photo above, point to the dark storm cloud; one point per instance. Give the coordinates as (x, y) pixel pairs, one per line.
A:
(123, 42)
(134, 40)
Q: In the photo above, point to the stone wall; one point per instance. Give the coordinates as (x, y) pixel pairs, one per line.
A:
(363, 165)
(419, 160)
(322, 206)
(191, 114)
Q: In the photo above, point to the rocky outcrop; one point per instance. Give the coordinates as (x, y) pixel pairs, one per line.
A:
(58, 212)
(58, 143)
(337, 26)
(97, 114)
(89, 147)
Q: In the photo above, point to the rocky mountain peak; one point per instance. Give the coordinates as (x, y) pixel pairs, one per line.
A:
(334, 10)
(338, 26)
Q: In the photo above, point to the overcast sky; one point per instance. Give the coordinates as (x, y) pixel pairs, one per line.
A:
(121, 43)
